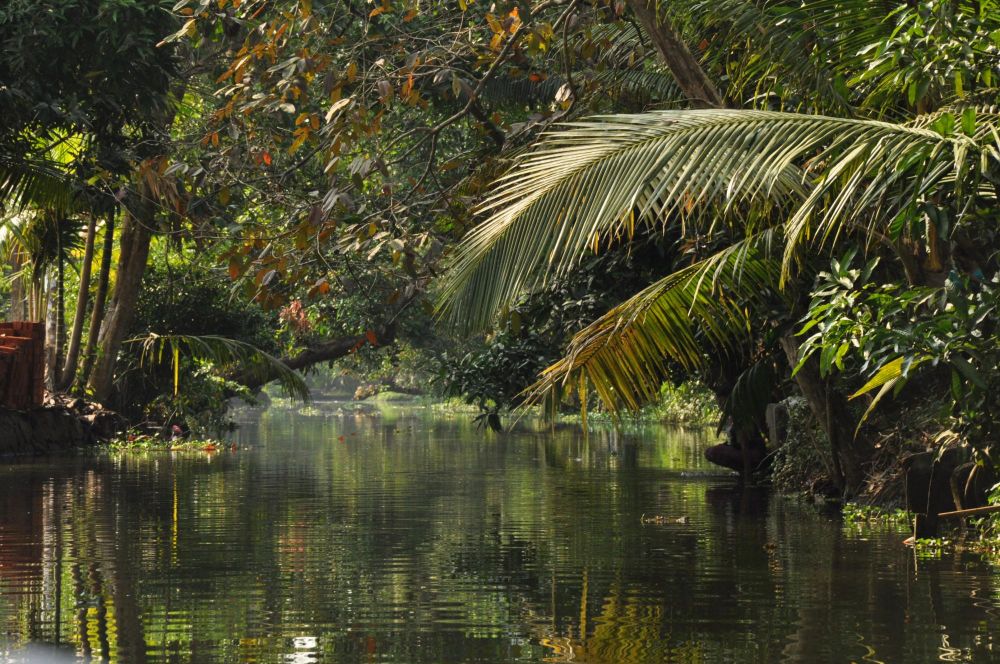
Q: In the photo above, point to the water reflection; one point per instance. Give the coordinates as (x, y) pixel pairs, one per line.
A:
(408, 537)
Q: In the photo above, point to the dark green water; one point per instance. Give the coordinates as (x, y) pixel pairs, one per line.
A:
(417, 539)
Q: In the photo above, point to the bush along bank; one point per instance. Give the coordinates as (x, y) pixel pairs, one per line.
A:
(917, 471)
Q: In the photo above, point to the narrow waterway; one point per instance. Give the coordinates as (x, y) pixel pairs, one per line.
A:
(409, 536)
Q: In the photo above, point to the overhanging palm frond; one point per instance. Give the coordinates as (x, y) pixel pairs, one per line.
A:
(598, 178)
(626, 353)
(224, 354)
(879, 173)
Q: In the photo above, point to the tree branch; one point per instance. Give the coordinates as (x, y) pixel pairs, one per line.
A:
(687, 71)
(325, 351)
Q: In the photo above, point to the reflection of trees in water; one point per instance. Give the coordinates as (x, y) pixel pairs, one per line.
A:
(414, 540)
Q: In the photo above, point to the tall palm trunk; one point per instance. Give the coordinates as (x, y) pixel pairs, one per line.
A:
(60, 322)
(36, 304)
(82, 299)
(133, 252)
(49, 311)
(100, 297)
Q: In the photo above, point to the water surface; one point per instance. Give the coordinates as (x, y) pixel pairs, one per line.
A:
(412, 537)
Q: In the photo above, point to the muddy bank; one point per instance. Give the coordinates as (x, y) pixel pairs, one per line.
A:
(60, 425)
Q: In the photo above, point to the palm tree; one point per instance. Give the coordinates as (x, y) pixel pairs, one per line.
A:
(777, 189)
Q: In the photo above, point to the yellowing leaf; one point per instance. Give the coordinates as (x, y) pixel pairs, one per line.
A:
(297, 143)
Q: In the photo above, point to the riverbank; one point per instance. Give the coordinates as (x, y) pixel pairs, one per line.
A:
(61, 425)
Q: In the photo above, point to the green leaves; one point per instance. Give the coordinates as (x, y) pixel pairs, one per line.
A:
(597, 181)
(28, 182)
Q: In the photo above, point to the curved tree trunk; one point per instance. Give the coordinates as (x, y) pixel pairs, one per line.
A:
(137, 231)
(324, 351)
(97, 315)
(830, 409)
(82, 299)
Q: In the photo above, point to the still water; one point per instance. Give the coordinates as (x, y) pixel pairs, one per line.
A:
(409, 536)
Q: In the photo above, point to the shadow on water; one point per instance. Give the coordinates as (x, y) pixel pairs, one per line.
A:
(408, 536)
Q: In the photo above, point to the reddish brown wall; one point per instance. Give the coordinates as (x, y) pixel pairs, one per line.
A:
(22, 365)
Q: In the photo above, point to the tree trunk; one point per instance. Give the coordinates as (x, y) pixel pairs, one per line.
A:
(83, 297)
(686, 69)
(133, 252)
(830, 409)
(137, 231)
(97, 315)
(33, 306)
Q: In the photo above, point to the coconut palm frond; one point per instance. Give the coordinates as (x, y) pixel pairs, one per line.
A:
(626, 354)
(523, 90)
(765, 46)
(880, 172)
(225, 354)
(599, 178)
(42, 237)
(619, 42)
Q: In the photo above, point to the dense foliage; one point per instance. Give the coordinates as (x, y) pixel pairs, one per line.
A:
(587, 200)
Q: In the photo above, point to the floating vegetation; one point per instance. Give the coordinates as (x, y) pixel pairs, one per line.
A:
(869, 514)
(133, 441)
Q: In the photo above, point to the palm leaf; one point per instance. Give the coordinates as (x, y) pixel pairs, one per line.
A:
(224, 354)
(597, 179)
(36, 183)
(626, 354)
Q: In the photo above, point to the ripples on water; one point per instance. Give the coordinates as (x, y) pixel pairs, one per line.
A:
(415, 539)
